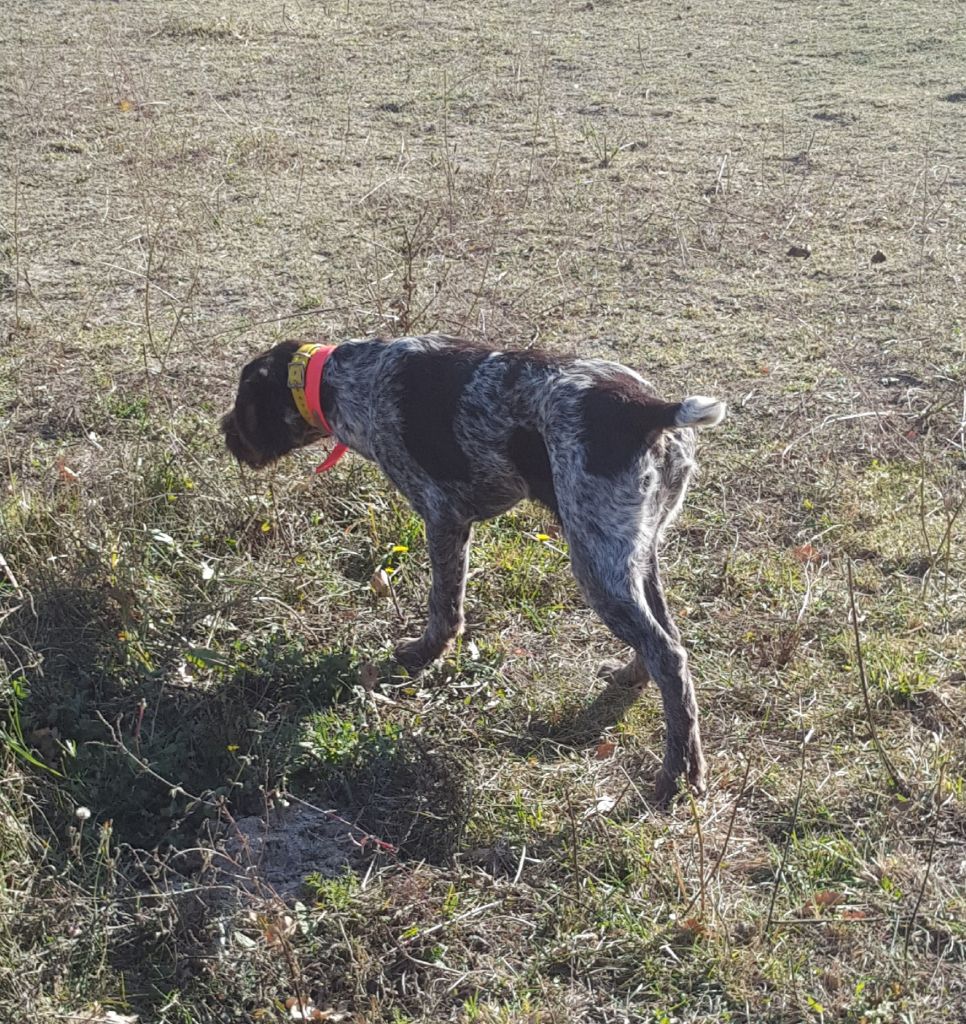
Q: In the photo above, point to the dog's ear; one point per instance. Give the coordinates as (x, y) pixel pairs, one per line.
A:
(265, 423)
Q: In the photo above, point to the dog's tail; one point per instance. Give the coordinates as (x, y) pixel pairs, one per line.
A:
(698, 411)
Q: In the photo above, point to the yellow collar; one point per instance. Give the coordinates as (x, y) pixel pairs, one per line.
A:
(296, 379)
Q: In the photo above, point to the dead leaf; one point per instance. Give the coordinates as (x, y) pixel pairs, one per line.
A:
(307, 1011)
(827, 898)
(66, 473)
(696, 927)
(279, 931)
(45, 740)
(604, 750)
(807, 553)
(605, 803)
(824, 899)
(98, 1015)
(369, 675)
(380, 583)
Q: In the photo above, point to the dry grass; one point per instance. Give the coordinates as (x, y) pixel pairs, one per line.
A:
(185, 646)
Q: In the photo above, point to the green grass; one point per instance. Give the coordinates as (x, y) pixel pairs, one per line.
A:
(186, 648)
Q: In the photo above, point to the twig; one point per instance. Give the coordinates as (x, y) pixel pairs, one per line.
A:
(813, 921)
(788, 838)
(8, 572)
(475, 912)
(879, 414)
(316, 311)
(392, 594)
(945, 542)
(367, 837)
(174, 787)
(724, 845)
(16, 245)
(897, 779)
(925, 877)
(697, 827)
(523, 857)
(304, 1006)
(961, 430)
(923, 529)
(573, 848)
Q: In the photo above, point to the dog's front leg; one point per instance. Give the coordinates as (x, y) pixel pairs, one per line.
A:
(449, 551)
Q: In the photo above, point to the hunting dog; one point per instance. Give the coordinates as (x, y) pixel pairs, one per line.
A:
(465, 433)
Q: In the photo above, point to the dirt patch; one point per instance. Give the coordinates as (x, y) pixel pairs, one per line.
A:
(278, 852)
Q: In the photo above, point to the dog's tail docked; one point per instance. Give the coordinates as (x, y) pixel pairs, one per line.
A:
(699, 411)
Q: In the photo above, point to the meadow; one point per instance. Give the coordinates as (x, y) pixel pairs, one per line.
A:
(762, 202)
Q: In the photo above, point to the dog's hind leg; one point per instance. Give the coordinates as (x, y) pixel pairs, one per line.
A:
(449, 550)
(631, 603)
(634, 672)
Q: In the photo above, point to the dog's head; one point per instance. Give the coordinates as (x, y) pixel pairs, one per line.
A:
(265, 424)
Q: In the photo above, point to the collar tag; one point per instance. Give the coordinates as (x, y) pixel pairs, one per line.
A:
(296, 372)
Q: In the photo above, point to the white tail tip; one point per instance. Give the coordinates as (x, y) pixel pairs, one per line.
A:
(698, 411)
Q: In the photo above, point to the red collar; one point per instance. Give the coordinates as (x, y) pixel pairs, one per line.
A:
(311, 390)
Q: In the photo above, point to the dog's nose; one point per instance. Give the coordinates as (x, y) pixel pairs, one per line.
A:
(233, 440)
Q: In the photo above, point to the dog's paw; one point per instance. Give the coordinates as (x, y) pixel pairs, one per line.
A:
(624, 674)
(415, 655)
(696, 779)
(667, 787)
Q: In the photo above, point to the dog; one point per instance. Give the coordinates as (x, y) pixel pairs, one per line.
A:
(465, 433)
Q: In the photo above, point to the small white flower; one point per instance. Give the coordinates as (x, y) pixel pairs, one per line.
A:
(82, 813)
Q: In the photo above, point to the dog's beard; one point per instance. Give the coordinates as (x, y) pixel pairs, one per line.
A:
(257, 456)
(239, 446)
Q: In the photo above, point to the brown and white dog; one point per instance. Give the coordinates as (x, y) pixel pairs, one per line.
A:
(465, 433)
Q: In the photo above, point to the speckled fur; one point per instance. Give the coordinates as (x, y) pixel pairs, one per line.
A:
(465, 433)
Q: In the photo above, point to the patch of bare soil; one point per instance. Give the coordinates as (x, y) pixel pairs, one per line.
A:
(276, 853)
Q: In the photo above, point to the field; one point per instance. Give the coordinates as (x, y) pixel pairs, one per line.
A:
(761, 202)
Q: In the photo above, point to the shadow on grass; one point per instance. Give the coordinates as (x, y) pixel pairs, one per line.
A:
(414, 796)
(579, 726)
(157, 735)
(166, 742)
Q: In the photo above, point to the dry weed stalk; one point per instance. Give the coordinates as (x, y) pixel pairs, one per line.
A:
(925, 874)
(897, 781)
(788, 839)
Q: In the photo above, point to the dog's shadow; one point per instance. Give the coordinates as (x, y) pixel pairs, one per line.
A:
(162, 737)
(549, 738)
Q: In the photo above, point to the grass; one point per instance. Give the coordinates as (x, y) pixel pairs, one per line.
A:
(187, 648)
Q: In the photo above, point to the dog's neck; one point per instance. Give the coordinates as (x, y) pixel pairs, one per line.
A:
(347, 389)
